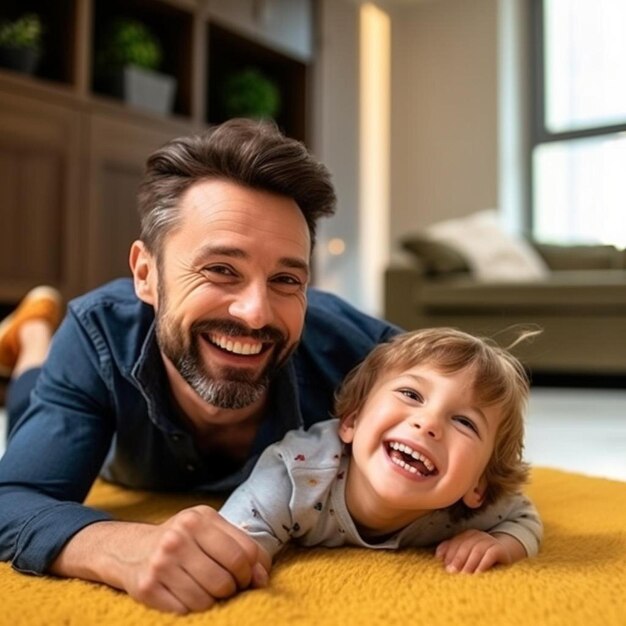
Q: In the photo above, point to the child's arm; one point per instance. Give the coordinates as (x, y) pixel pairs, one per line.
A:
(505, 532)
(260, 506)
(474, 551)
(284, 497)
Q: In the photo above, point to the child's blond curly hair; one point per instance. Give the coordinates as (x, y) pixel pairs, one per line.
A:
(499, 379)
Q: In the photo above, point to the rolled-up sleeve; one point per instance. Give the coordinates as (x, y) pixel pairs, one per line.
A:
(54, 454)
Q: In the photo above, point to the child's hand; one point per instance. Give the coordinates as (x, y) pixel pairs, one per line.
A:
(475, 551)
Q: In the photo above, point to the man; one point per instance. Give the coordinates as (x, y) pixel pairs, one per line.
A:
(180, 378)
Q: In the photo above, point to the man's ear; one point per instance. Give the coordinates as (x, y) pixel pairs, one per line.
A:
(346, 428)
(143, 266)
(475, 497)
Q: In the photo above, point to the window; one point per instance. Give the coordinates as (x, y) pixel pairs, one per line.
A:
(579, 139)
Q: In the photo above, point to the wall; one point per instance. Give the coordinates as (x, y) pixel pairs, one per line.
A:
(336, 142)
(444, 112)
(444, 122)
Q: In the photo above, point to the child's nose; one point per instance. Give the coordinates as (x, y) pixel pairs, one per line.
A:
(428, 423)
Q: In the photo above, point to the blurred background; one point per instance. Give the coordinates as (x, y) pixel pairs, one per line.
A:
(427, 112)
(423, 110)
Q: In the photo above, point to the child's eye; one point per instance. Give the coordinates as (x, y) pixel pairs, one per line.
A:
(411, 394)
(466, 422)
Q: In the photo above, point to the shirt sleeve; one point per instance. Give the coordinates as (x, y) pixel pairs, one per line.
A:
(515, 515)
(54, 454)
(260, 506)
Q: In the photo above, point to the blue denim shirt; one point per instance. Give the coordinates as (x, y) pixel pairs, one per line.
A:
(102, 404)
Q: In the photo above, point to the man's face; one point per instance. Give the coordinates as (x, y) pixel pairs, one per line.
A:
(231, 293)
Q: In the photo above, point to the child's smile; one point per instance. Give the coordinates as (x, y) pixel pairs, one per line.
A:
(408, 459)
(420, 442)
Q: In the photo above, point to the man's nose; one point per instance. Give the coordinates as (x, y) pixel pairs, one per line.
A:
(252, 306)
(429, 423)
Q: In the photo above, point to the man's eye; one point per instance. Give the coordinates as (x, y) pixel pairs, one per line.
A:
(287, 280)
(287, 283)
(221, 270)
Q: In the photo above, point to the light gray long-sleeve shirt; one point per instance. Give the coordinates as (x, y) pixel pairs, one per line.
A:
(296, 492)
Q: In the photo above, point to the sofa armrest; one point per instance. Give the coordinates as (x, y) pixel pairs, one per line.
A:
(580, 257)
(402, 287)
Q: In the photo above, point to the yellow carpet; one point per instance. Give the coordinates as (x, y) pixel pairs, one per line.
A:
(579, 578)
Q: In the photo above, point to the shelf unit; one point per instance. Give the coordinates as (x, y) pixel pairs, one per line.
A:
(230, 53)
(71, 155)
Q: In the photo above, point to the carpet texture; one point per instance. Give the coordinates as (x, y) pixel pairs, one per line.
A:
(579, 577)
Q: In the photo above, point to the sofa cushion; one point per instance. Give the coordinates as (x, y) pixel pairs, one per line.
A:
(492, 254)
(435, 257)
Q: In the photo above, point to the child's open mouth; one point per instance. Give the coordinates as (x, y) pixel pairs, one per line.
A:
(410, 460)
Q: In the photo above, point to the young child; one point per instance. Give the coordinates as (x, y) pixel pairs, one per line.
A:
(426, 450)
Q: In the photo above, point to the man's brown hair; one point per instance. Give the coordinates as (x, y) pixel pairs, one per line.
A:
(251, 153)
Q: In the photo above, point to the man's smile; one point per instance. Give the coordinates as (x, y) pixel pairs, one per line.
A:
(238, 345)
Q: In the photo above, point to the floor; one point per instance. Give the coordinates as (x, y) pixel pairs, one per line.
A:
(577, 430)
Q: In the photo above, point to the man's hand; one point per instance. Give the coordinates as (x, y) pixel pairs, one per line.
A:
(184, 564)
(475, 551)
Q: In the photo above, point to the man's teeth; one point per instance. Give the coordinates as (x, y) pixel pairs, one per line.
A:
(236, 347)
(402, 447)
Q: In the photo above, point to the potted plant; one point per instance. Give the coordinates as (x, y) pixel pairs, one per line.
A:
(250, 93)
(20, 43)
(129, 59)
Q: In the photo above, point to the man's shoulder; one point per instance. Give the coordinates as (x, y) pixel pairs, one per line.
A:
(333, 325)
(335, 317)
(113, 316)
(114, 299)
(336, 337)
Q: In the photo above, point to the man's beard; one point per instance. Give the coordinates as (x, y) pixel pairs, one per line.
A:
(232, 388)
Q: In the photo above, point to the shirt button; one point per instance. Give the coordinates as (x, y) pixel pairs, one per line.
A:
(191, 467)
(175, 438)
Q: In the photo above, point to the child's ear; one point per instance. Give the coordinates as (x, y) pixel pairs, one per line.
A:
(346, 428)
(475, 497)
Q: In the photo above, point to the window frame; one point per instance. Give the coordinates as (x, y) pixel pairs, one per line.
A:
(539, 133)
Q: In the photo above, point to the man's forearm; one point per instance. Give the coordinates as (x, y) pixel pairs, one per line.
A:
(100, 552)
(183, 564)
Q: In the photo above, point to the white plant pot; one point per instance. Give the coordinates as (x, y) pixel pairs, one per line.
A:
(149, 90)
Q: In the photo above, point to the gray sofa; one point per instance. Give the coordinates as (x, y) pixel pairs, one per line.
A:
(581, 305)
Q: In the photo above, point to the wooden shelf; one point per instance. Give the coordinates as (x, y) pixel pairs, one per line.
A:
(172, 26)
(59, 35)
(72, 156)
(230, 53)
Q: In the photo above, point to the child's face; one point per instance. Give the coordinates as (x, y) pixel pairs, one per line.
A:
(420, 443)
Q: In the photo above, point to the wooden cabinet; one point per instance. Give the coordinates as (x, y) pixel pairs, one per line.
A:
(172, 25)
(116, 164)
(72, 156)
(230, 53)
(40, 182)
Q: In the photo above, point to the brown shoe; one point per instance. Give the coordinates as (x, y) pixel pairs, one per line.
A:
(43, 303)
